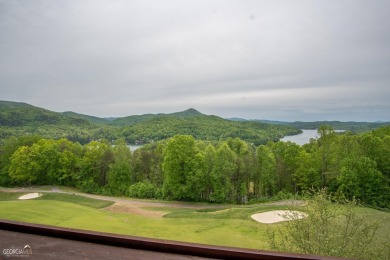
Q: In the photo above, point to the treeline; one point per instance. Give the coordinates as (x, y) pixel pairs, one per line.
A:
(205, 127)
(355, 127)
(18, 119)
(183, 168)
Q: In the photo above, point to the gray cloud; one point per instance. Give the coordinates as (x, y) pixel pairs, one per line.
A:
(287, 60)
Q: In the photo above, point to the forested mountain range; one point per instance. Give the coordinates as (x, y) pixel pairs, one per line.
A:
(338, 125)
(17, 119)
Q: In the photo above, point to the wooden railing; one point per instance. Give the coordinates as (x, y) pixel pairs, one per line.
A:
(148, 244)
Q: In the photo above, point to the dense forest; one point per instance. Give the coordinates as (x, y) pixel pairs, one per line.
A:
(19, 119)
(183, 167)
(354, 127)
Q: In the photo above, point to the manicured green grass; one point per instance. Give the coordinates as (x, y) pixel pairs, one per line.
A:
(228, 232)
(71, 198)
(383, 217)
(10, 195)
(233, 212)
(230, 226)
(80, 200)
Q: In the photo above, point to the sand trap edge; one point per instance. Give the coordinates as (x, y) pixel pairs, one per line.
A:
(30, 196)
(276, 216)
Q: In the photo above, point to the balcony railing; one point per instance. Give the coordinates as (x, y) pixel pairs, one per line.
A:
(146, 244)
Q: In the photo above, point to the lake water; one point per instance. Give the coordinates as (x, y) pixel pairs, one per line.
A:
(133, 147)
(302, 138)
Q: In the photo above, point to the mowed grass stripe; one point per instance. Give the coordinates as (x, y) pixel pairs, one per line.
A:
(77, 199)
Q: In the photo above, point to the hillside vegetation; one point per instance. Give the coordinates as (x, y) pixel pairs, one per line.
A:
(18, 119)
(22, 114)
(352, 126)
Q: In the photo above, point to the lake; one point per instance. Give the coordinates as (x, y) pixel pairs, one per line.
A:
(133, 147)
(302, 138)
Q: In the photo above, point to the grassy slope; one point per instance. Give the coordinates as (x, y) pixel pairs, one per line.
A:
(76, 199)
(229, 227)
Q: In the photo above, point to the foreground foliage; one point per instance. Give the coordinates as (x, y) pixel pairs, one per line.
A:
(331, 229)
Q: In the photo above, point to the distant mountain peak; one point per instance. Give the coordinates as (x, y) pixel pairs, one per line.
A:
(188, 112)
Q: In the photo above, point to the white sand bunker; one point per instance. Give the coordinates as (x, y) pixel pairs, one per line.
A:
(278, 216)
(30, 196)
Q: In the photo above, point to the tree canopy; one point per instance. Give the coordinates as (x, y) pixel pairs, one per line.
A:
(184, 168)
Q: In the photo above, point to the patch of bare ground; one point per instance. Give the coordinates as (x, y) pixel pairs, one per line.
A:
(301, 203)
(219, 211)
(129, 208)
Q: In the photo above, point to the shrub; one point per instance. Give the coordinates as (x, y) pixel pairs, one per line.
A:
(142, 190)
(331, 229)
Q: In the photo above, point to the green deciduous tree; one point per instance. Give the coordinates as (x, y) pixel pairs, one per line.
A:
(285, 160)
(209, 159)
(7, 149)
(67, 164)
(38, 164)
(361, 179)
(196, 182)
(265, 181)
(307, 174)
(47, 162)
(241, 176)
(94, 166)
(326, 154)
(120, 175)
(179, 164)
(24, 167)
(222, 174)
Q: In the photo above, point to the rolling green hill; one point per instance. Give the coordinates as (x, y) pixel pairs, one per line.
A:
(23, 119)
(22, 114)
(131, 120)
(91, 119)
(204, 127)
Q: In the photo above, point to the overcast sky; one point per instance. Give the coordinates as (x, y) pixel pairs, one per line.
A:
(278, 60)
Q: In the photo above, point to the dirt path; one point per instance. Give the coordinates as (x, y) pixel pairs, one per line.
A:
(125, 207)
